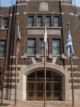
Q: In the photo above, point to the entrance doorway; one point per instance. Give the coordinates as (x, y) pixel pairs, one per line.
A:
(35, 86)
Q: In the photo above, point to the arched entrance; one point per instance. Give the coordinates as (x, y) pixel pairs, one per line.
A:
(35, 86)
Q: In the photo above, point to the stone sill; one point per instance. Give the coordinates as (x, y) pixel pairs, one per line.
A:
(2, 57)
(43, 27)
(43, 55)
(3, 28)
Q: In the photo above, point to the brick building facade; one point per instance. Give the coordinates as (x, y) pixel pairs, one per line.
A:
(30, 76)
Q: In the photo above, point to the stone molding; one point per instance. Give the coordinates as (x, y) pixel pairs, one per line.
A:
(57, 68)
(41, 32)
(12, 57)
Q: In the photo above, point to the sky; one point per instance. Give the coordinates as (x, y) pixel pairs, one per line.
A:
(5, 3)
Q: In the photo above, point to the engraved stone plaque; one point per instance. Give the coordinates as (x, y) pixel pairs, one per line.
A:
(41, 32)
(43, 6)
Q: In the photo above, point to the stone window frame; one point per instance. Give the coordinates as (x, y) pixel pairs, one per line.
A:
(59, 47)
(4, 48)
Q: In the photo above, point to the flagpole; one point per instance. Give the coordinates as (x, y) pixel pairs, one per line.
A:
(16, 72)
(44, 71)
(71, 74)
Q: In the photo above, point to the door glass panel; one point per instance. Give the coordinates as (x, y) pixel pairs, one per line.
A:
(48, 87)
(39, 94)
(39, 86)
(30, 86)
(48, 94)
(56, 94)
(30, 94)
(56, 86)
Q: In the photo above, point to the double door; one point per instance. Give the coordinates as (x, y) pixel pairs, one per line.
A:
(35, 90)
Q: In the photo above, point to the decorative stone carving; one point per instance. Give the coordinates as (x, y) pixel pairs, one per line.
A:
(41, 32)
(43, 6)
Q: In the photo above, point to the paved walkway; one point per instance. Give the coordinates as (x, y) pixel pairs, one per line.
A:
(7, 103)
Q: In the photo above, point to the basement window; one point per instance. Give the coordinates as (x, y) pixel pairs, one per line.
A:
(5, 23)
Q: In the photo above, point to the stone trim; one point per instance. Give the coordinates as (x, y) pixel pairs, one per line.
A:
(16, 13)
(3, 28)
(12, 57)
(43, 27)
(65, 57)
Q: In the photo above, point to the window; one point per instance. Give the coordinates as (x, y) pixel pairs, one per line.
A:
(39, 21)
(31, 46)
(56, 47)
(48, 21)
(2, 48)
(56, 21)
(30, 23)
(42, 46)
(5, 23)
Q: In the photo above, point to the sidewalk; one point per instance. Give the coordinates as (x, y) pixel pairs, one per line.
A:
(7, 103)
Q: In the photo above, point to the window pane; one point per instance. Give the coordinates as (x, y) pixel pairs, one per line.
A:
(56, 24)
(2, 48)
(56, 19)
(39, 18)
(31, 50)
(2, 54)
(56, 51)
(42, 51)
(48, 24)
(39, 24)
(40, 74)
(5, 22)
(56, 75)
(42, 43)
(56, 43)
(2, 42)
(48, 18)
(56, 94)
(30, 23)
(56, 86)
(48, 21)
(31, 43)
(31, 75)
(30, 18)
(30, 86)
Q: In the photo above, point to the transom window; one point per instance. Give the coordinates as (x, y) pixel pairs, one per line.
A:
(56, 21)
(56, 47)
(5, 23)
(39, 21)
(48, 21)
(31, 46)
(2, 48)
(30, 23)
